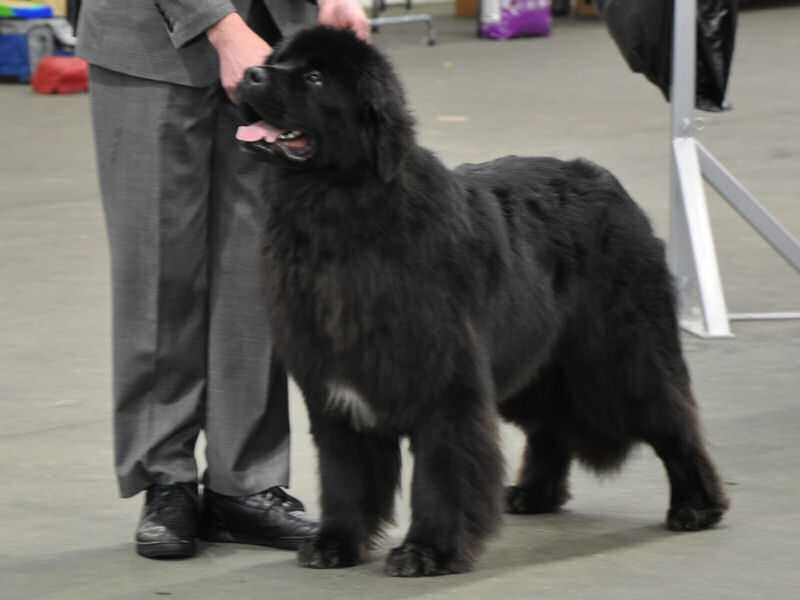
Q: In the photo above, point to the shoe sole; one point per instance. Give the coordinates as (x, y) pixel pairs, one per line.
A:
(177, 549)
(216, 533)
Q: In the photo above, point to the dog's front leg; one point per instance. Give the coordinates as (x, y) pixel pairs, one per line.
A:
(359, 474)
(457, 485)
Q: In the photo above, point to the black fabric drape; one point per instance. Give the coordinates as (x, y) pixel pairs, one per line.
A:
(643, 32)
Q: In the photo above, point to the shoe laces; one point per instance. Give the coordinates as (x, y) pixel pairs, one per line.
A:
(168, 496)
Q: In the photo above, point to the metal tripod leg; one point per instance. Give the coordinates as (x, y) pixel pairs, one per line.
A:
(749, 208)
(757, 216)
(693, 257)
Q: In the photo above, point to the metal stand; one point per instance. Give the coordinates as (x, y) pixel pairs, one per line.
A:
(692, 254)
(376, 20)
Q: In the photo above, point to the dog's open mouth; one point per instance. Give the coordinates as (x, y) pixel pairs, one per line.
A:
(261, 137)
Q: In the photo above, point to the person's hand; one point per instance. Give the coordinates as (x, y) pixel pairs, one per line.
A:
(238, 47)
(344, 14)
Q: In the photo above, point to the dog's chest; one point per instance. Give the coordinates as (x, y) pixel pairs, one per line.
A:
(336, 302)
(349, 404)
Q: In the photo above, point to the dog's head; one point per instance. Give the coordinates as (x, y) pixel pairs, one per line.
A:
(326, 100)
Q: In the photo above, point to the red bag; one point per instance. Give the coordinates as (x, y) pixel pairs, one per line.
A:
(61, 75)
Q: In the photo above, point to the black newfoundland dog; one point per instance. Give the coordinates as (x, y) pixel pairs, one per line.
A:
(411, 300)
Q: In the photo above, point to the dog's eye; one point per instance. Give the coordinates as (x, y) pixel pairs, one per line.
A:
(314, 77)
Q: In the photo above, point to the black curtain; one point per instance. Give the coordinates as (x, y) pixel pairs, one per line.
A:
(642, 29)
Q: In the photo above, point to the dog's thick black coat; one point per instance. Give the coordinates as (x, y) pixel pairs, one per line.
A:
(411, 300)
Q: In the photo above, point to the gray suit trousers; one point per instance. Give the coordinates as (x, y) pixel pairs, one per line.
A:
(191, 340)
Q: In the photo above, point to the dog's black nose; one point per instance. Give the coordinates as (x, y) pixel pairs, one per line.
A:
(255, 75)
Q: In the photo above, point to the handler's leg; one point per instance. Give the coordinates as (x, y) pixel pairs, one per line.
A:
(246, 417)
(247, 420)
(153, 142)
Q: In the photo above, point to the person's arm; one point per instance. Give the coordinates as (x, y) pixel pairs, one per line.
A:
(344, 14)
(185, 20)
(238, 47)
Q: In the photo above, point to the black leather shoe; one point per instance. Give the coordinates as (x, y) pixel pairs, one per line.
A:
(168, 526)
(270, 518)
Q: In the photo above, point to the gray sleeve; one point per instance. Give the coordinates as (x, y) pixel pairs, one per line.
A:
(186, 19)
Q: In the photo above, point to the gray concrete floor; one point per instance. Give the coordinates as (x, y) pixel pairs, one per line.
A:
(64, 533)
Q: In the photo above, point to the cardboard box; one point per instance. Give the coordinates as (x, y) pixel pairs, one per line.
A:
(59, 6)
(466, 8)
(585, 8)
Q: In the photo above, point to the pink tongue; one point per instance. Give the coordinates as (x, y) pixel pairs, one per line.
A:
(256, 132)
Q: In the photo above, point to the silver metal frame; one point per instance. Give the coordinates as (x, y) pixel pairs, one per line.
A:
(376, 20)
(692, 254)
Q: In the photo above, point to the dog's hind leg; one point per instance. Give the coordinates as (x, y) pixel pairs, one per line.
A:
(456, 487)
(542, 483)
(697, 500)
(539, 410)
(359, 473)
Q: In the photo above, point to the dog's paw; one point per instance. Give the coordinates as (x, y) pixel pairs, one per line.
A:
(326, 553)
(687, 518)
(523, 501)
(415, 560)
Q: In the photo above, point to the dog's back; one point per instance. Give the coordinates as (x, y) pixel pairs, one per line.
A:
(577, 251)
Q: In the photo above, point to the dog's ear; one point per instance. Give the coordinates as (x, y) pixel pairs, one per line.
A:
(390, 128)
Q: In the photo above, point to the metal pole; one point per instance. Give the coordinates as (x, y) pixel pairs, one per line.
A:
(692, 252)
